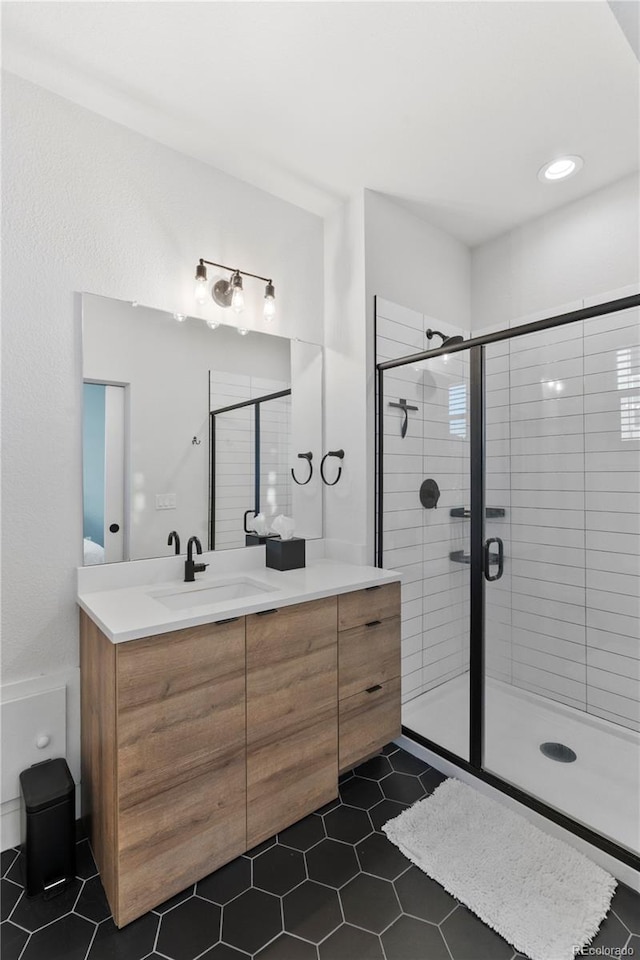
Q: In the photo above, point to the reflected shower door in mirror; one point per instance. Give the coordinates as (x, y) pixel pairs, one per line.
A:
(169, 376)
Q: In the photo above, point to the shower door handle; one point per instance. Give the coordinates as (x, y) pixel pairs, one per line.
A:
(490, 558)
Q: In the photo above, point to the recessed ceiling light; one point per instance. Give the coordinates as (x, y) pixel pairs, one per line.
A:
(560, 169)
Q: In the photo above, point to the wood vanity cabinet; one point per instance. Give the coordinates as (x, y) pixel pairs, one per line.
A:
(369, 671)
(292, 715)
(200, 743)
(163, 759)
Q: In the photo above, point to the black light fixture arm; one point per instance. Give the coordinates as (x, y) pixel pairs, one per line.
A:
(243, 273)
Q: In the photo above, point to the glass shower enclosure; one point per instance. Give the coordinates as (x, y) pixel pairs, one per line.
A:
(512, 499)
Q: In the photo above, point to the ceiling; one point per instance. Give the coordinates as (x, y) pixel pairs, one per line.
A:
(450, 107)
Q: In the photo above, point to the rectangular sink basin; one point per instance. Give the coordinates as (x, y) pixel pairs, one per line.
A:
(201, 594)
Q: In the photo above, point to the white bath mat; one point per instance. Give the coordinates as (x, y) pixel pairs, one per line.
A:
(536, 891)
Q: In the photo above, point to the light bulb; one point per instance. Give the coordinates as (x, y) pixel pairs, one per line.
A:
(201, 291)
(269, 310)
(237, 300)
(201, 284)
(237, 295)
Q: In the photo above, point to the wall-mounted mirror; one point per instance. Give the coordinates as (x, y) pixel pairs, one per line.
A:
(192, 430)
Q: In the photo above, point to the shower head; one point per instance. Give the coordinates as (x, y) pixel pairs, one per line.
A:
(446, 341)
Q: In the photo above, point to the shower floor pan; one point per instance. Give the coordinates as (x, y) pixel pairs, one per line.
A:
(601, 788)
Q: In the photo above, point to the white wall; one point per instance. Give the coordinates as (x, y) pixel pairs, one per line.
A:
(415, 265)
(91, 206)
(581, 250)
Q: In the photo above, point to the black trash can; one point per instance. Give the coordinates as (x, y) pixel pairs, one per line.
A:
(48, 827)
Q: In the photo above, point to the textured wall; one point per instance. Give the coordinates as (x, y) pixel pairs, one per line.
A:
(90, 206)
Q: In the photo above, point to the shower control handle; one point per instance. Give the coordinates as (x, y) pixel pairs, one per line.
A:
(491, 558)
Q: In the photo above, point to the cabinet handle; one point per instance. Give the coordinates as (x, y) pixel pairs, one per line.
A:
(377, 587)
(228, 620)
(377, 686)
(263, 613)
(373, 623)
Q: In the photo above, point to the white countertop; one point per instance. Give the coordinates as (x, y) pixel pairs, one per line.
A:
(129, 613)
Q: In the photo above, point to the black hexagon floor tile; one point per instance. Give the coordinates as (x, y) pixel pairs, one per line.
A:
(287, 947)
(374, 769)
(411, 939)
(379, 856)
(332, 863)
(468, 938)
(65, 939)
(402, 787)
(15, 873)
(36, 912)
(431, 779)
(278, 870)
(389, 749)
(9, 896)
(369, 902)
(221, 951)
(348, 824)
(311, 911)
(133, 942)
(12, 940)
(422, 897)
(251, 920)
(348, 943)
(384, 811)
(7, 859)
(92, 902)
(260, 848)
(609, 940)
(224, 884)
(187, 930)
(626, 905)
(304, 834)
(403, 762)
(360, 793)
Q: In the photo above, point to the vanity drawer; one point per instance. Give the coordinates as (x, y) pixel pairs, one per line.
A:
(368, 655)
(373, 603)
(367, 721)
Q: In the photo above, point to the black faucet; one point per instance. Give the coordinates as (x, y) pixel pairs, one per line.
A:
(174, 538)
(191, 568)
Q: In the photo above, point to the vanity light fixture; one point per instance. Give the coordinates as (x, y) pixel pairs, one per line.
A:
(560, 169)
(230, 293)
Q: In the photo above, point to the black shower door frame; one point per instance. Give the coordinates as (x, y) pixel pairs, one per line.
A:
(476, 349)
(256, 404)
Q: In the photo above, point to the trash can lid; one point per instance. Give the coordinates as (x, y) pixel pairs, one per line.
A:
(46, 783)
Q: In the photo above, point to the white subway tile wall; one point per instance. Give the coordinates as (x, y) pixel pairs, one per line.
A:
(418, 541)
(235, 453)
(563, 460)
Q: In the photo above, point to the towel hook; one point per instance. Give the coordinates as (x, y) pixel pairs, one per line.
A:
(332, 453)
(309, 458)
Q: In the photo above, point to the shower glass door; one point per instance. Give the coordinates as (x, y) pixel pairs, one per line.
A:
(426, 525)
(562, 620)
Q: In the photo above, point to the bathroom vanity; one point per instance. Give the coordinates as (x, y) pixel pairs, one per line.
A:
(207, 728)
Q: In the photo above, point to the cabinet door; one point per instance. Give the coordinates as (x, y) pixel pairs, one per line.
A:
(292, 732)
(368, 720)
(181, 760)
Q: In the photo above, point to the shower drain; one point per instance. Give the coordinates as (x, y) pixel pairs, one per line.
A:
(559, 752)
